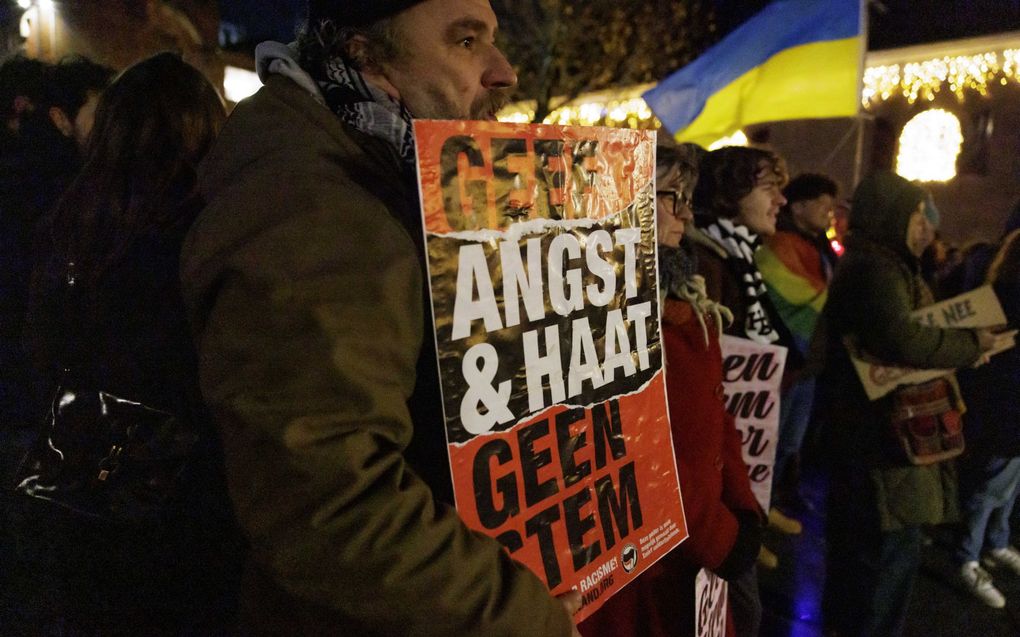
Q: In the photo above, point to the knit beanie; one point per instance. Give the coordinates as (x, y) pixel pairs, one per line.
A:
(355, 13)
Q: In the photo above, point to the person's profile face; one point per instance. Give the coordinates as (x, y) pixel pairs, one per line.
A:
(449, 66)
(673, 208)
(760, 207)
(814, 216)
(920, 231)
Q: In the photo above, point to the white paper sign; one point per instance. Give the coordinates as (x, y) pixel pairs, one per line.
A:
(752, 377)
(710, 604)
(975, 309)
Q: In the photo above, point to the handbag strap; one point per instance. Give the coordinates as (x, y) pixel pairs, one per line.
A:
(76, 350)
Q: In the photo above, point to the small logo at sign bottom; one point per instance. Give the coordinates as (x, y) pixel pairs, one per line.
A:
(629, 557)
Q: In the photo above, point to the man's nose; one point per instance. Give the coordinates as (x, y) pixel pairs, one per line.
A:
(498, 72)
(780, 199)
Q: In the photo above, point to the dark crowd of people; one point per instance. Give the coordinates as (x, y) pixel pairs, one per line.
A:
(254, 289)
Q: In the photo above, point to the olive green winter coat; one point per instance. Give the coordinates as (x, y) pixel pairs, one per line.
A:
(304, 283)
(876, 286)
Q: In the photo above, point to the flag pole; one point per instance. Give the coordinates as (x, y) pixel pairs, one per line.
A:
(859, 151)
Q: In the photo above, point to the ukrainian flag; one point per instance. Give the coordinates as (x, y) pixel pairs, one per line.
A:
(796, 59)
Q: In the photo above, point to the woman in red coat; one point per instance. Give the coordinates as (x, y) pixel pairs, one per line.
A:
(723, 517)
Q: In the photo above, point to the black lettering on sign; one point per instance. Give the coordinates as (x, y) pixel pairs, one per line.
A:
(541, 526)
(754, 440)
(613, 504)
(957, 312)
(511, 540)
(568, 446)
(608, 431)
(532, 461)
(747, 368)
(759, 472)
(506, 485)
(463, 197)
(578, 526)
(750, 404)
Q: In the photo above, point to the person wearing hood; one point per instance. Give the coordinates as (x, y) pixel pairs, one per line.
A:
(878, 501)
(306, 286)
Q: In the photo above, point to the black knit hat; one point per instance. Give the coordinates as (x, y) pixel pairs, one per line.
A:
(355, 13)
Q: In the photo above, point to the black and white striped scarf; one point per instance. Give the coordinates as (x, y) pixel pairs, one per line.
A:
(740, 244)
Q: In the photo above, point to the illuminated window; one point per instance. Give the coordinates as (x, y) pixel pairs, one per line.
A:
(929, 146)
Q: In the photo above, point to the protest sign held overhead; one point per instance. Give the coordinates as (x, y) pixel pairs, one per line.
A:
(542, 265)
(752, 379)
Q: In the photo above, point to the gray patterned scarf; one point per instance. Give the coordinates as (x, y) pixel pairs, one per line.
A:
(367, 108)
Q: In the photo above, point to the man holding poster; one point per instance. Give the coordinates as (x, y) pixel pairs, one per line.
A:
(304, 277)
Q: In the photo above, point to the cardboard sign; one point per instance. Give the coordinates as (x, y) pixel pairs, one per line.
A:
(710, 594)
(542, 264)
(752, 379)
(975, 309)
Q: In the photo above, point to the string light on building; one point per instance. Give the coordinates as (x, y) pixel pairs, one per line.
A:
(622, 109)
(919, 81)
(924, 80)
(929, 146)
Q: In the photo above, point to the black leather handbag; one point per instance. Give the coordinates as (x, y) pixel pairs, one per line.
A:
(105, 457)
(99, 455)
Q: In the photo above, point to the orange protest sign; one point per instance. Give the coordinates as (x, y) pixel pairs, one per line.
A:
(541, 258)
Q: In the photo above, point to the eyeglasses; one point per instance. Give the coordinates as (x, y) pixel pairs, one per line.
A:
(674, 200)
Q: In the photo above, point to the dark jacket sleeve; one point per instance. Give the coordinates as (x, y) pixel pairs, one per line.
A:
(880, 319)
(308, 331)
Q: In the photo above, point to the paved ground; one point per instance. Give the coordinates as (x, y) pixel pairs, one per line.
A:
(791, 594)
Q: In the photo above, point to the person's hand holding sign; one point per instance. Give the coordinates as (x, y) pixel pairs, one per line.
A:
(571, 601)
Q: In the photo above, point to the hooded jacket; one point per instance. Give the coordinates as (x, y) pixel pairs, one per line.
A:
(304, 282)
(876, 286)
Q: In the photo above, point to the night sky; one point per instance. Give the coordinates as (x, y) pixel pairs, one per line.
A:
(264, 19)
(893, 23)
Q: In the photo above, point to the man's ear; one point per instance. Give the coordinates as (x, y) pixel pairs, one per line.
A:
(358, 50)
(61, 121)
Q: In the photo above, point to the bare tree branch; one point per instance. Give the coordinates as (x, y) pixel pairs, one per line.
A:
(563, 48)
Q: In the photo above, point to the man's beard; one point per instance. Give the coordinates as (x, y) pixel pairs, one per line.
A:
(489, 104)
(440, 107)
